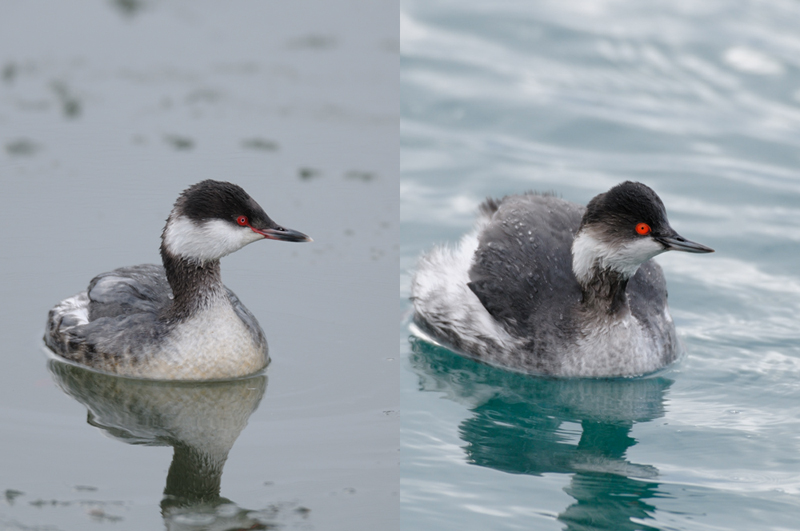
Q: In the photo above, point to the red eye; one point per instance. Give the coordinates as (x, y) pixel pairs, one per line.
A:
(242, 220)
(643, 228)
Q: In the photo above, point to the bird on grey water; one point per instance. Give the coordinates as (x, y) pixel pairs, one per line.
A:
(175, 321)
(545, 286)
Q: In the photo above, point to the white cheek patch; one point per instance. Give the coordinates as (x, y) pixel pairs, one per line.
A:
(209, 240)
(629, 257)
(589, 251)
(585, 250)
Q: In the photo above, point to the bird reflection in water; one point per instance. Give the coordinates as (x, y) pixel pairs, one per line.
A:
(201, 421)
(519, 424)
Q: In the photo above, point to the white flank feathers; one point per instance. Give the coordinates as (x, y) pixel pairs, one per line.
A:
(440, 293)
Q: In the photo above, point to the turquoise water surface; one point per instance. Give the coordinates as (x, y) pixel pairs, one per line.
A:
(701, 101)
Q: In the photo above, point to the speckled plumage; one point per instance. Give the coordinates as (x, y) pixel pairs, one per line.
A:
(508, 294)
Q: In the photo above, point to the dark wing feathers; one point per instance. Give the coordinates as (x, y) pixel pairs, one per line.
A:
(129, 290)
(126, 298)
(523, 253)
(522, 269)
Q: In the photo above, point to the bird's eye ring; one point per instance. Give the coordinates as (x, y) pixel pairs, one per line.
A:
(643, 229)
(242, 220)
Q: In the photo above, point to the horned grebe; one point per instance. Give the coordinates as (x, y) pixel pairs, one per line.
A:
(176, 321)
(546, 286)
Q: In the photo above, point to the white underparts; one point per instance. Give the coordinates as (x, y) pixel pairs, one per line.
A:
(590, 252)
(212, 344)
(613, 347)
(207, 240)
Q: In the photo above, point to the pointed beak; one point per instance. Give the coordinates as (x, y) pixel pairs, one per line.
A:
(676, 242)
(282, 234)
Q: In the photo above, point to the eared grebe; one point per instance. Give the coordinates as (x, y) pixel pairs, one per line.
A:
(545, 286)
(176, 322)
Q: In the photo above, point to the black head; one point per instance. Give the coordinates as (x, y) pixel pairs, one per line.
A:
(212, 219)
(225, 201)
(219, 200)
(632, 211)
(620, 210)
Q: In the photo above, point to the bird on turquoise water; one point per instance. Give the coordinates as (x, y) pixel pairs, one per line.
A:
(546, 286)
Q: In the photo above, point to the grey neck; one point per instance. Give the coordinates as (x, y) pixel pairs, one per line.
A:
(194, 285)
(605, 293)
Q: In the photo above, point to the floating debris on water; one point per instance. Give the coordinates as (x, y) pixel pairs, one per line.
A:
(22, 147)
(308, 173)
(180, 143)
(98, 514)
(70, 104)
(357, 175)
(53, 503)
(259, 144)
(129, 8)
(12, 494)
(9, 72)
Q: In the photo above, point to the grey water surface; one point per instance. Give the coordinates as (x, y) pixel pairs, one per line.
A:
(699, 100)
(108, 109)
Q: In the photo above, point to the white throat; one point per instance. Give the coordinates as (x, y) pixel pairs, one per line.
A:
(207, 240)
(590, 253)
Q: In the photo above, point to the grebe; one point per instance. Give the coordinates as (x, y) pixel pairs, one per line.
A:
(176, 321)
(545, 286)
